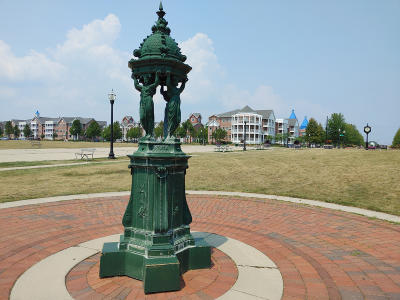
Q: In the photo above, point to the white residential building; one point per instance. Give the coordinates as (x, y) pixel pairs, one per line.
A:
(49, 129)
(262, 126)
(249, 122)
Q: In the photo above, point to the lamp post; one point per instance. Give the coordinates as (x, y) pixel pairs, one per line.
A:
(367, 130)
(341, 134)
(111, 97)
(244, 135)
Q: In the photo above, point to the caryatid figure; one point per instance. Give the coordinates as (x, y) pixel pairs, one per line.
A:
(147, 91)
(173, 108)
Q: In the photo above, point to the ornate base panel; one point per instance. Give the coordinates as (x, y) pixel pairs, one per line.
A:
(157, 245)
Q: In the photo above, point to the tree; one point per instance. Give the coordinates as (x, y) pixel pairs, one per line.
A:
(134, 133)
(76, 128)
(93, 130)
(268, 139)
(181, 131)
(352, 136)
(17, 132)
(159, 130)
(9, 128)
(117, 132)
(315, 133)
(336, 124)
(55, 135)
(1, 131)
(300, 140)
(219, 134)
(27, 131)
(202, 135)
(189, 129)
(396, 140)
(278, 138)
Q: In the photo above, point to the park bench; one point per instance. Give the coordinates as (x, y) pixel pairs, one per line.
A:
(260, 147)
(222, 148)
(85, 153)
(36, 143)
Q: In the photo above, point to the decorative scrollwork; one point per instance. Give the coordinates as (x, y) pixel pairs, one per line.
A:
(162, 172)
(142, 212)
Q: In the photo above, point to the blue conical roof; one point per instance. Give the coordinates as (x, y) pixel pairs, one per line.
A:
(293, 115)
(304, 124)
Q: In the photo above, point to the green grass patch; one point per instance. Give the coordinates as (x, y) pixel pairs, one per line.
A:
(365, 179)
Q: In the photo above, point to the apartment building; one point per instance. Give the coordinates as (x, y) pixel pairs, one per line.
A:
(127, 123)
(293, 127)
(195, 119)
(52, 128)
(260, 125)
(303, 126)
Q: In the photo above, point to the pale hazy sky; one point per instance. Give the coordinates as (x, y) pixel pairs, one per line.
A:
(318, 57)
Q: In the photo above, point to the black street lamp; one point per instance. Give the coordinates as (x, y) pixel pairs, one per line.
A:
(367, 130)
(341, 134)
(111, 97)
(244, 138)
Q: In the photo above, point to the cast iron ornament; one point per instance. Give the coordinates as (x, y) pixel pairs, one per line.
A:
(157, 246)
(159, 62)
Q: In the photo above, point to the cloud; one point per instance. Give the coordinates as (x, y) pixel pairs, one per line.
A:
(209, 87)
(87, 65)
(206, 71)
(97, 32)
(34, 66)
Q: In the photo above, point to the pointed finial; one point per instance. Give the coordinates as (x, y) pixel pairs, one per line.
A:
(161, 12)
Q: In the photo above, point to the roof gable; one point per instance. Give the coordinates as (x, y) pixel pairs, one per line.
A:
(292, 115)
(304, 123)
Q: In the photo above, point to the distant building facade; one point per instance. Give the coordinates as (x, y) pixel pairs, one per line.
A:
(303, 127)
(293, 127)
(127, 123)
(260, 125)
(52, 128)
(195, 120)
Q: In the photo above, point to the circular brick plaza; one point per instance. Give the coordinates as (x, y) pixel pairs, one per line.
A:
(83, 281)
(320, 253)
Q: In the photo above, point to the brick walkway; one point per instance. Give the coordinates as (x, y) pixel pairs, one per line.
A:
(322, 254)
(83, 282)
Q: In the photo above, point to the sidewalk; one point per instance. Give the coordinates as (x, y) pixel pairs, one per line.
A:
(12, 155)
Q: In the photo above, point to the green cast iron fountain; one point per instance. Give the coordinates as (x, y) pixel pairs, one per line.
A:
(157, 246)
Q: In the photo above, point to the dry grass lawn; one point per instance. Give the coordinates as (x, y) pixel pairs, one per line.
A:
(367, 179)
(17, 144)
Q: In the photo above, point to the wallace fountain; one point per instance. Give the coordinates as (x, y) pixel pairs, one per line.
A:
(157, 246)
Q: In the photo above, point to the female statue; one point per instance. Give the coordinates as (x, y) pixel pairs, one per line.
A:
(147, 91)
(173, 108)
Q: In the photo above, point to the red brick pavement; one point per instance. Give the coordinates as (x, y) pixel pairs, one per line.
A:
(83, 282)
(321, 253)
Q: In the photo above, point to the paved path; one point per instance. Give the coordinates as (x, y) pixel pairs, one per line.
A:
(321, 253)
(12, 155)
(64, 165)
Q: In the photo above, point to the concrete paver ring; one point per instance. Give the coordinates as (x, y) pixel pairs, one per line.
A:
(258, 276)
